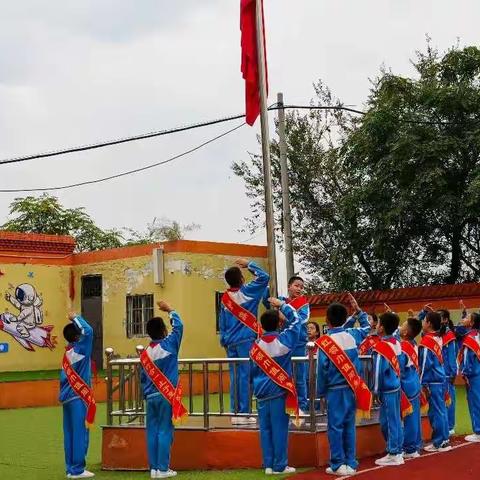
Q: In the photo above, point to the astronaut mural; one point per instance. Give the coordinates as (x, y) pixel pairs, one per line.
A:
(25, 325)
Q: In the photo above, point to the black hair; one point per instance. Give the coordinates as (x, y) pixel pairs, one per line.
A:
(414, 326)
(270, 320)
(389, 321)
(233, 276)
(476, 320)
(316, 325)
(156, 328)
(337, 314)
(294, 278)
(375, 317)
(435, 320)
(445, 314)
(71, 333)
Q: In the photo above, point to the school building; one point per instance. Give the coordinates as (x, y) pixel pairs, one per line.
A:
(42, 279)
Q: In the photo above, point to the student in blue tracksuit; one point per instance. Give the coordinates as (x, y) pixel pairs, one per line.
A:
(470, 370)
(410, 381)
(432, 377)
(341, 405)
(388, 388)
(237, 338)
(163, 351)
(449, 352)
(271, 398)
(79, 335)
(296, 287)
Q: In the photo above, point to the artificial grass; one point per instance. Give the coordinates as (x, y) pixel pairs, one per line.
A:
(32, 445)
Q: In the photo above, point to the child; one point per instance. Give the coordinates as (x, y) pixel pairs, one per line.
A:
(239, 328)
(469, 363)
(432, 378)
(389, 363)
(338, 380)
(449, 352)
(410, 381)
(366, 347)
(299, 302)
(159, 380)
(76, 395)
(313, 331)
(273, 385)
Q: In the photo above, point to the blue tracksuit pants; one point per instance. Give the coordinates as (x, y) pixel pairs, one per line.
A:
(473, 399)
(391, 421)
(451, 408)
(437, 413)
(341, 409)
(239, 395)
(412, 428)
(75, 436)
(159, 432)
(273, 422)
(301, 369)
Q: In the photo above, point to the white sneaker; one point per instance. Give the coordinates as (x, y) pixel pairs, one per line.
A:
(169, 473)
(475, 437)
(431, 448)
(451, 432)
(269, 471)
(153, 473)
(341, 471)
(84, 474)
(411, 455)
(243, 420)
(445, 447)
(350, 470)
(390, 460)
(285, 471)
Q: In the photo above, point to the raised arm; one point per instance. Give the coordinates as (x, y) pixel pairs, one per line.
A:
(85, 343)
(291, 332)
(175, 336)
(256, 288)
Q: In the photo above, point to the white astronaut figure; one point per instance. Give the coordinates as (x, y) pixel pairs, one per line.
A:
(29, 304)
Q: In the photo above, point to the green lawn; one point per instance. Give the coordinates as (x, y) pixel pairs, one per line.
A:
(32, 446)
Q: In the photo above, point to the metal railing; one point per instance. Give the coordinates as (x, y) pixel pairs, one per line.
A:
(206, 393)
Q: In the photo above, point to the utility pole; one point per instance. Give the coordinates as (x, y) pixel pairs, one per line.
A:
(267, 169)
(287, 215)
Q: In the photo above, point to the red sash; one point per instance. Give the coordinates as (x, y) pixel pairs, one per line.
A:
(469, 342)
(409, 350)
(368, 344)
(298, 303)
(80, 388)
(385, 349)
(241, 314)
(448, 338)
(172, 394)
(430, 344)
(277, 375)
(340, 359)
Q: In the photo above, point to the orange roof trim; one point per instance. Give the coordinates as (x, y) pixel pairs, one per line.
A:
(461, 290)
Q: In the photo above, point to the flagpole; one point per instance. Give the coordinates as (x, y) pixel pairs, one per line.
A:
(267, 169)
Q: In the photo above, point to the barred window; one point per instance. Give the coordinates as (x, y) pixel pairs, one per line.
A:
(139, 312)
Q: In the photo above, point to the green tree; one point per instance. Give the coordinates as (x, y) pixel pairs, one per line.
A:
(159, 230)
(389, 199)
(45, 214)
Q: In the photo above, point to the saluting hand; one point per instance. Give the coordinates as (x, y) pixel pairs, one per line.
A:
(353, 302)
(242, 262)
(275, 302)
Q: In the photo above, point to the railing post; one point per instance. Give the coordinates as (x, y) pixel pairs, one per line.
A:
(109, 379)
(312, 384)
(206, 403)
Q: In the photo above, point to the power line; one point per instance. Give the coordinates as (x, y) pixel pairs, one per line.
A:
(159, 133)
(123, 174)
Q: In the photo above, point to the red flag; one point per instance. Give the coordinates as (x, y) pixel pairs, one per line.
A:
(250, 59)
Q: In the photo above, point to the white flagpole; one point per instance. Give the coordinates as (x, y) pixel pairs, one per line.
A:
(267, 176)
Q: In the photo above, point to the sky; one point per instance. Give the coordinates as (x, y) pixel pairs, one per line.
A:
(74, 73)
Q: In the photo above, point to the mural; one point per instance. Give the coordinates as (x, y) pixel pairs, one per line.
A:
(26, 325)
